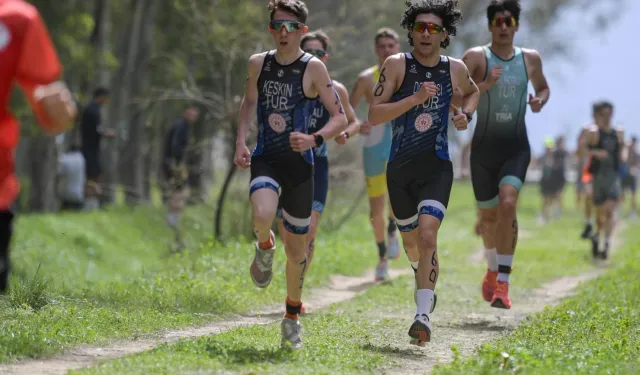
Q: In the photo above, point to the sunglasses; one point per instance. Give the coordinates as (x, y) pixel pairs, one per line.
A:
(277, 25)
(431, 28)
(499, 21)
(316, 52)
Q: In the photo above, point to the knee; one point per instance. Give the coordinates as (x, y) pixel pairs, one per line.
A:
(429, 238)
(262, 216)
(295, 248)
(507, 203)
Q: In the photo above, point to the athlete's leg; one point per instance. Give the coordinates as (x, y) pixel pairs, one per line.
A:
(513, 173)
(634, 201)
(6, 231)
(434, 197)
(485, 188)
(588, 206)
(264, 192)
(393, 240)
(297, 201)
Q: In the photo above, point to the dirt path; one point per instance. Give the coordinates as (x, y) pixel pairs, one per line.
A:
(470, 330)
(340, 289)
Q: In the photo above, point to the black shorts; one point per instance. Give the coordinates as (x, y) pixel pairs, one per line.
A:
(292, 178)
(488, 172)
(320, 185)
(421, 186)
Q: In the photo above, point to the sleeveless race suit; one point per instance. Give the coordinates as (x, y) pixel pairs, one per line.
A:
(606, 178)
(420, 173)
(376, 153)
(319, 118)
(500, 151)
(284, 108)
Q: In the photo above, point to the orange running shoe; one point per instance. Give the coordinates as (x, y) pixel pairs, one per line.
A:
(489, 285)
(501, 296)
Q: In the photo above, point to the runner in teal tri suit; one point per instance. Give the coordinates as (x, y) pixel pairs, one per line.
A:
(500, 151)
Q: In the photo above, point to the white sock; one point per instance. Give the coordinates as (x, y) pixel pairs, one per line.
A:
(589, 221)
(491, 255)
(414, 265)
(425, 301)
(504, 260)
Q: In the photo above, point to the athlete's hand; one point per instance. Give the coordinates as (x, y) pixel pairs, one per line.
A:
(426, 91)
(535, 103)
(243, 156)
(301, 142)
(600, 154)
(494, 75)
(342, 138)
(365, 127)
(460, 120)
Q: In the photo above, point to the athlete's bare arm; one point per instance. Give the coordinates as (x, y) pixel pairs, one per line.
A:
(381, 110)
(248, 110)
(323, 85)
(466, 86)
(537, 78)
(362, 88)
(476, 62)
(591, 138)
(352, 121)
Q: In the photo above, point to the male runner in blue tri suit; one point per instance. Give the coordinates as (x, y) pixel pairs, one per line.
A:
(284, 86)
(500, 151)
(317, 44)
(415, 91)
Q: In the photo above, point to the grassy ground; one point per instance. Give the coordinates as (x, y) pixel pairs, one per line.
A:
(368, 333)
(86, 278)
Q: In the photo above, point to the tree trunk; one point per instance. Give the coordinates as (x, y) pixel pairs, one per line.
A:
(136, 146)
(42, 197)
(121, 105)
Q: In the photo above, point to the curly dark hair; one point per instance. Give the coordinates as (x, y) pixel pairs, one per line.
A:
(447, 10)
(318, 35)
(295, 7)
(602, 104)
(512, 6)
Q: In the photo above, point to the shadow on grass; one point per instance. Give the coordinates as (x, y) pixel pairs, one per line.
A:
(247, 355)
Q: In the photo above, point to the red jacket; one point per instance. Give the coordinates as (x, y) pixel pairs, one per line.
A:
(28, 58)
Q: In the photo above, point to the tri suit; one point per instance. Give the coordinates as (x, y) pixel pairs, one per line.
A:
(319, 118)
(283, 108)
(420, 172)
(500, 151)
(375, 153)
(606, 179)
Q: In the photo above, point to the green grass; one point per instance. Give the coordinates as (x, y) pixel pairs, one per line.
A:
(595, 332)
(110, 275)
(369, 332)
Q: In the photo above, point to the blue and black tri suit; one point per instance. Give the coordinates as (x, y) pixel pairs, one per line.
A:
(319, 119)
(420, 173)
(282, 109)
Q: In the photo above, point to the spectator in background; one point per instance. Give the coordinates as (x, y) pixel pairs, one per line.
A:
(631, 167)
(558, 173)
(547, 183)
(92, 131)
(71, 170)
(28, 58)
(176, 171)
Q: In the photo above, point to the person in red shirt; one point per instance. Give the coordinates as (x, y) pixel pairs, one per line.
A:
(28, 59)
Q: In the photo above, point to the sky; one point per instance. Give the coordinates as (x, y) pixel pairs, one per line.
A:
(605, 67)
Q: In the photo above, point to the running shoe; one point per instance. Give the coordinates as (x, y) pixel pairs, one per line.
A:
(586, 233)
(393, 248)
(261, 269)
(382, 271)
(501, 296)
(291, 334)
(420, 330)
(595, 246)
(489, 285)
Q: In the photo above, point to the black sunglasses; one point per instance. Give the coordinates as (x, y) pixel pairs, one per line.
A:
(316, 52)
